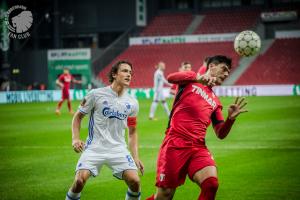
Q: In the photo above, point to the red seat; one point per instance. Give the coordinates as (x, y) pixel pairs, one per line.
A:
(168, 24)
(228, 22)
(279, 65)
(145, 57)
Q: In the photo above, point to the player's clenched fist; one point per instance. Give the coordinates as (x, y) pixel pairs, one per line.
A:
(206, 80)
(78, 145)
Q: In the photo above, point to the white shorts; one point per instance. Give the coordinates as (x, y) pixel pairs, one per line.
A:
(93, 159)
(159, 96)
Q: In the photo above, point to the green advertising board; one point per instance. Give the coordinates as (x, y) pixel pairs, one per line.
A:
(77, 60)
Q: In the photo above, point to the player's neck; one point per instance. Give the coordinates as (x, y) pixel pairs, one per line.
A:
(119, 89)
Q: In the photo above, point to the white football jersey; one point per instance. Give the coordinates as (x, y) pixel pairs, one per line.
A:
(108, 117)
(159, 80)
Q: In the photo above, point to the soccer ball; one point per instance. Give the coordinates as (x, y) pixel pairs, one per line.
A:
(247, 43)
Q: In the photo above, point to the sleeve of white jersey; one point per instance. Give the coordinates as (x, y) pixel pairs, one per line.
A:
(87, 103)
(164, 79)
(135, 109)
(156, 79)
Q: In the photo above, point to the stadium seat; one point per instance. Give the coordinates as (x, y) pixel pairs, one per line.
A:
(145, 57)
(279, 65)
(227, 21)
(168, 24)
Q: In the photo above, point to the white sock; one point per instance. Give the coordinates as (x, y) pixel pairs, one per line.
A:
(130, 195)
(166, 108)
(153, 109)
(72, 196)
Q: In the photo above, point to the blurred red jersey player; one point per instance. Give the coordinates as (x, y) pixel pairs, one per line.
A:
(64, 82)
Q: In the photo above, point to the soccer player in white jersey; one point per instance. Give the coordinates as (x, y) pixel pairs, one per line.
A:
(111, 111)
(159, 81)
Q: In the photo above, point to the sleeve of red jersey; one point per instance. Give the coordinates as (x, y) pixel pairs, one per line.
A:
(221, 128)
(202, 70)
(61, 78)
(182, 78)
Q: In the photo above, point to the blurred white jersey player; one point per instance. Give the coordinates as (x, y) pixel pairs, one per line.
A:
(111, 111)
(159, 81)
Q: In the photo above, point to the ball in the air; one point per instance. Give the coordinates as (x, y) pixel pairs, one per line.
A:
(247, 43)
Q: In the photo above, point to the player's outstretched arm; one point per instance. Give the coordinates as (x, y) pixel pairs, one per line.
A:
(78, 145)
(182, 78)
(133, 146)
(222, 129)
(60, 84)
(76, 81)
(186, 77)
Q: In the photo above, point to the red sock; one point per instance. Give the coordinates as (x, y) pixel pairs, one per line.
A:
(209, 189)
(150, 198)
(59, 104)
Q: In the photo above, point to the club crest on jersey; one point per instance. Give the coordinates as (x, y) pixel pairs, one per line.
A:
(127, 106)
(162, 177)
(105, 102)
(202, 93)
(111, 113)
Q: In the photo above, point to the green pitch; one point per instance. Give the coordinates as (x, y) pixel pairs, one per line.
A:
(260, 159)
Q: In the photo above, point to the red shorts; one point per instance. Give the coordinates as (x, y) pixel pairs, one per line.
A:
(178, 158)
(65, 94)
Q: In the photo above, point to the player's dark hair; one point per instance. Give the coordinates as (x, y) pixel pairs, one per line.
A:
(219, 59)
(115, 67)
(206, 59)
(185, 63)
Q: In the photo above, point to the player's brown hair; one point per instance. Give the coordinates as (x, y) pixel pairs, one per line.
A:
(206, 59)
(185, 63)
(219, 59)
(115, 67)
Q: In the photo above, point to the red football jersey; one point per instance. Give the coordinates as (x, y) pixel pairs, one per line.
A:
(194, 108)
(202, 70)
(66, 80)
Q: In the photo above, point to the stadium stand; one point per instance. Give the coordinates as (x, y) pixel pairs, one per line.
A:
(168, 24)
(228, 21)
(279, 65)
(145, 57)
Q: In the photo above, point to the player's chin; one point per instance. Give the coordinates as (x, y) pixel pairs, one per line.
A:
(126, 83)
(219, 82)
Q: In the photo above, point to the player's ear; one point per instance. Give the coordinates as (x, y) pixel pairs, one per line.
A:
(210, 66)
(114, 74)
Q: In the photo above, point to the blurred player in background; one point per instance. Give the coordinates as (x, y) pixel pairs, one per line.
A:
(203, 68)
(111, 110)
(64, 82)
(183, 151)
(185, 66)
(159, 81)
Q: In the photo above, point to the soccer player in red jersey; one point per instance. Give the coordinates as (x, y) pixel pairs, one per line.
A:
(185, 66)
(183, 151)
(64, 82)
